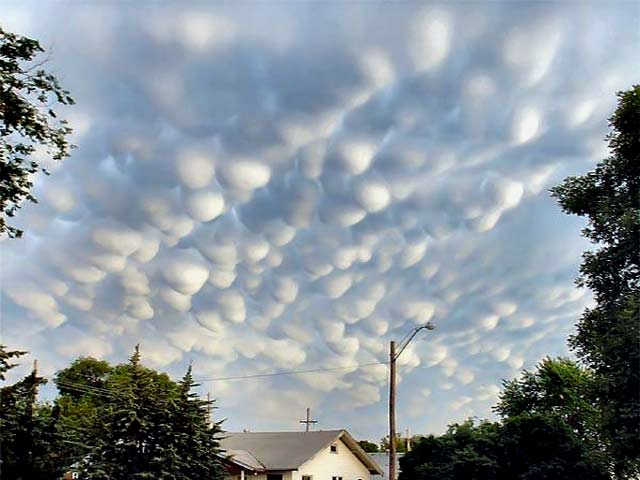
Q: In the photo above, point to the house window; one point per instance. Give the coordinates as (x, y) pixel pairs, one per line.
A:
(336, 478)
(274, 477)
(334, 449)
(307, 477)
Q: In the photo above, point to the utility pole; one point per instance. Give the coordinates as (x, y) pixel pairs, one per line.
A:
(392, 411)
(308, 422)
(394, 353)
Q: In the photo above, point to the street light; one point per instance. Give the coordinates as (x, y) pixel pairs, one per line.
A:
(394, 353)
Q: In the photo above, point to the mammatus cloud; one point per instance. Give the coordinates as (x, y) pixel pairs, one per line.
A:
(267, 189)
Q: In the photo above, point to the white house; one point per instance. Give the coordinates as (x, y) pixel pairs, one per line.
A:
(319, 455)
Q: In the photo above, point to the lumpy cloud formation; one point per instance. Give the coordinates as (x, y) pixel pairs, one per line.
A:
(266, 189)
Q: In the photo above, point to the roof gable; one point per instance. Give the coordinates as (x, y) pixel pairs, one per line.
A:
(353, 445)
(281, 451)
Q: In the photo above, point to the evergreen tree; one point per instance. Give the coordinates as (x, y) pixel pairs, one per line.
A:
(128, 430)
(28, 437)
(194, 435)
(118, 423)
(607, 335)
(5, 359)
(150, 427)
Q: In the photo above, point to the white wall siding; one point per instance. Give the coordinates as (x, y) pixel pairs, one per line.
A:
(262, 476)
(325, 465)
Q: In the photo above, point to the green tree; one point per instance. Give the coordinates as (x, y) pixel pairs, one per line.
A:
(85, 377)
(28, 94)
(559, 387)
(116, 423)
(543, 447)
(607, 335)
(82, 390)
(28, 437)
(368, 446)
(401, 443)
(465, 451)
(126, 443)
(5, 359)
(193, 436)
(150, 427)
(536, 446)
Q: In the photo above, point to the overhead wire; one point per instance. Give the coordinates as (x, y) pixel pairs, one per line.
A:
(84, 388)
(82, 385)
(289, 372)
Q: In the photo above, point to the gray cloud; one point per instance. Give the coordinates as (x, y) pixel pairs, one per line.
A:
(260, 190)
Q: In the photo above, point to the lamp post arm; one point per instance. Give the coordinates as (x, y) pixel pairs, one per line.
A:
(406, 342)
(407, 339)
(393, 356)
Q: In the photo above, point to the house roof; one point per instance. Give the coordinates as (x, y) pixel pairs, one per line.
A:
(244, 459)
(281, 451)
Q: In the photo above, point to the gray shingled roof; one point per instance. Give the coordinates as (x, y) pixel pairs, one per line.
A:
(244, 459)
(288, 450)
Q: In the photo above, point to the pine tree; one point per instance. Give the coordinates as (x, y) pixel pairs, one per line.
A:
(128, 426)
(195, 437)
(5, 357)
(150, 427)
(28, 437)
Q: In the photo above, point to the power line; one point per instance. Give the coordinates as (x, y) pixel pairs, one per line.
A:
(84, 388)
(79, 387)
(83, 385)
(289, 372)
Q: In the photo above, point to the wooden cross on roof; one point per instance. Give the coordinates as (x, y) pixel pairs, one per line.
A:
(308, 422)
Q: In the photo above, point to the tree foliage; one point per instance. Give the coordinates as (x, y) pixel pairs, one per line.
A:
(109, 422)
(609, 196)
(84, 376)
(193, 436)
(5, 359)
(562, 420)
(28, 122)
(401, 443)
(151, 427)
(533, 446)
(607, 335)
(28, 437)
(559, 387)
(368, 446)
(548, 430)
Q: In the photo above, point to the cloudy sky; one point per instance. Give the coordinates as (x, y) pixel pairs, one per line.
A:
(263, 187)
